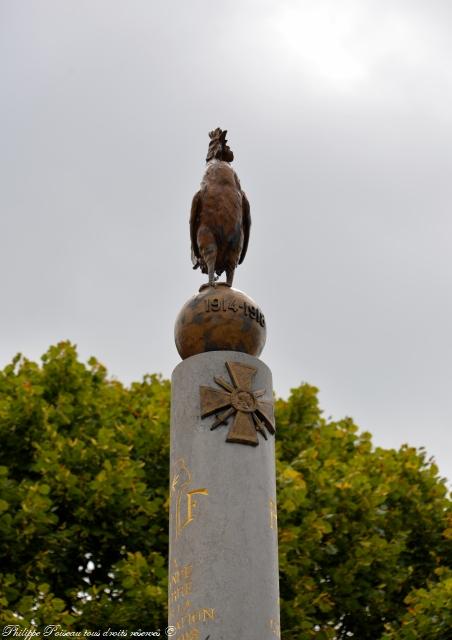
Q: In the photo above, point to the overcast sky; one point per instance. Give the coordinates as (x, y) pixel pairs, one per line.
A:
(340, 117)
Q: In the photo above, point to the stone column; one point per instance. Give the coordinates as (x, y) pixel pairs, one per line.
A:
(223, 572)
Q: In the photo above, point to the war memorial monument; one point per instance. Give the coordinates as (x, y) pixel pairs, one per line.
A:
(223, 562)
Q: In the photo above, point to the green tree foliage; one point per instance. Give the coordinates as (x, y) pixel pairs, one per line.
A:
(365, 533)
(84, 478)
(429, 612)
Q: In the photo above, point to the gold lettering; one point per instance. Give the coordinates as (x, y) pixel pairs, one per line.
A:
(208, 614)
(193, 617)
(274, 626)
(179, 608)
(181, 591)
(182, 497)
(273, 515)
(184, 573)
(191, 504)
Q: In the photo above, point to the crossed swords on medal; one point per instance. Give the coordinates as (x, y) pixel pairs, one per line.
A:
(251, 414)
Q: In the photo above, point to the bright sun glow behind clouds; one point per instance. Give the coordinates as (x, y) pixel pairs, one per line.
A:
(341, 43)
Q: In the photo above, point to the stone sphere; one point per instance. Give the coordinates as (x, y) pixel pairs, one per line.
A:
(220, 319)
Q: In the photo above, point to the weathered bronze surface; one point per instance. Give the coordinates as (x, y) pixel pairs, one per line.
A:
(220, 319)
(251, 415)
(220, 215)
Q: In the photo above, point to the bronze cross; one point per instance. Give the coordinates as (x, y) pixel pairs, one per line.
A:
(237, 399)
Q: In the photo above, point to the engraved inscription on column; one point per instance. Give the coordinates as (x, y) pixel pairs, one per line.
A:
(182, 497)
(184, 616)
(273, 514)
(274, 626)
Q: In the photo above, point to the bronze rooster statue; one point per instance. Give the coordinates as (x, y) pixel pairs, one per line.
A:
(220, 215)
